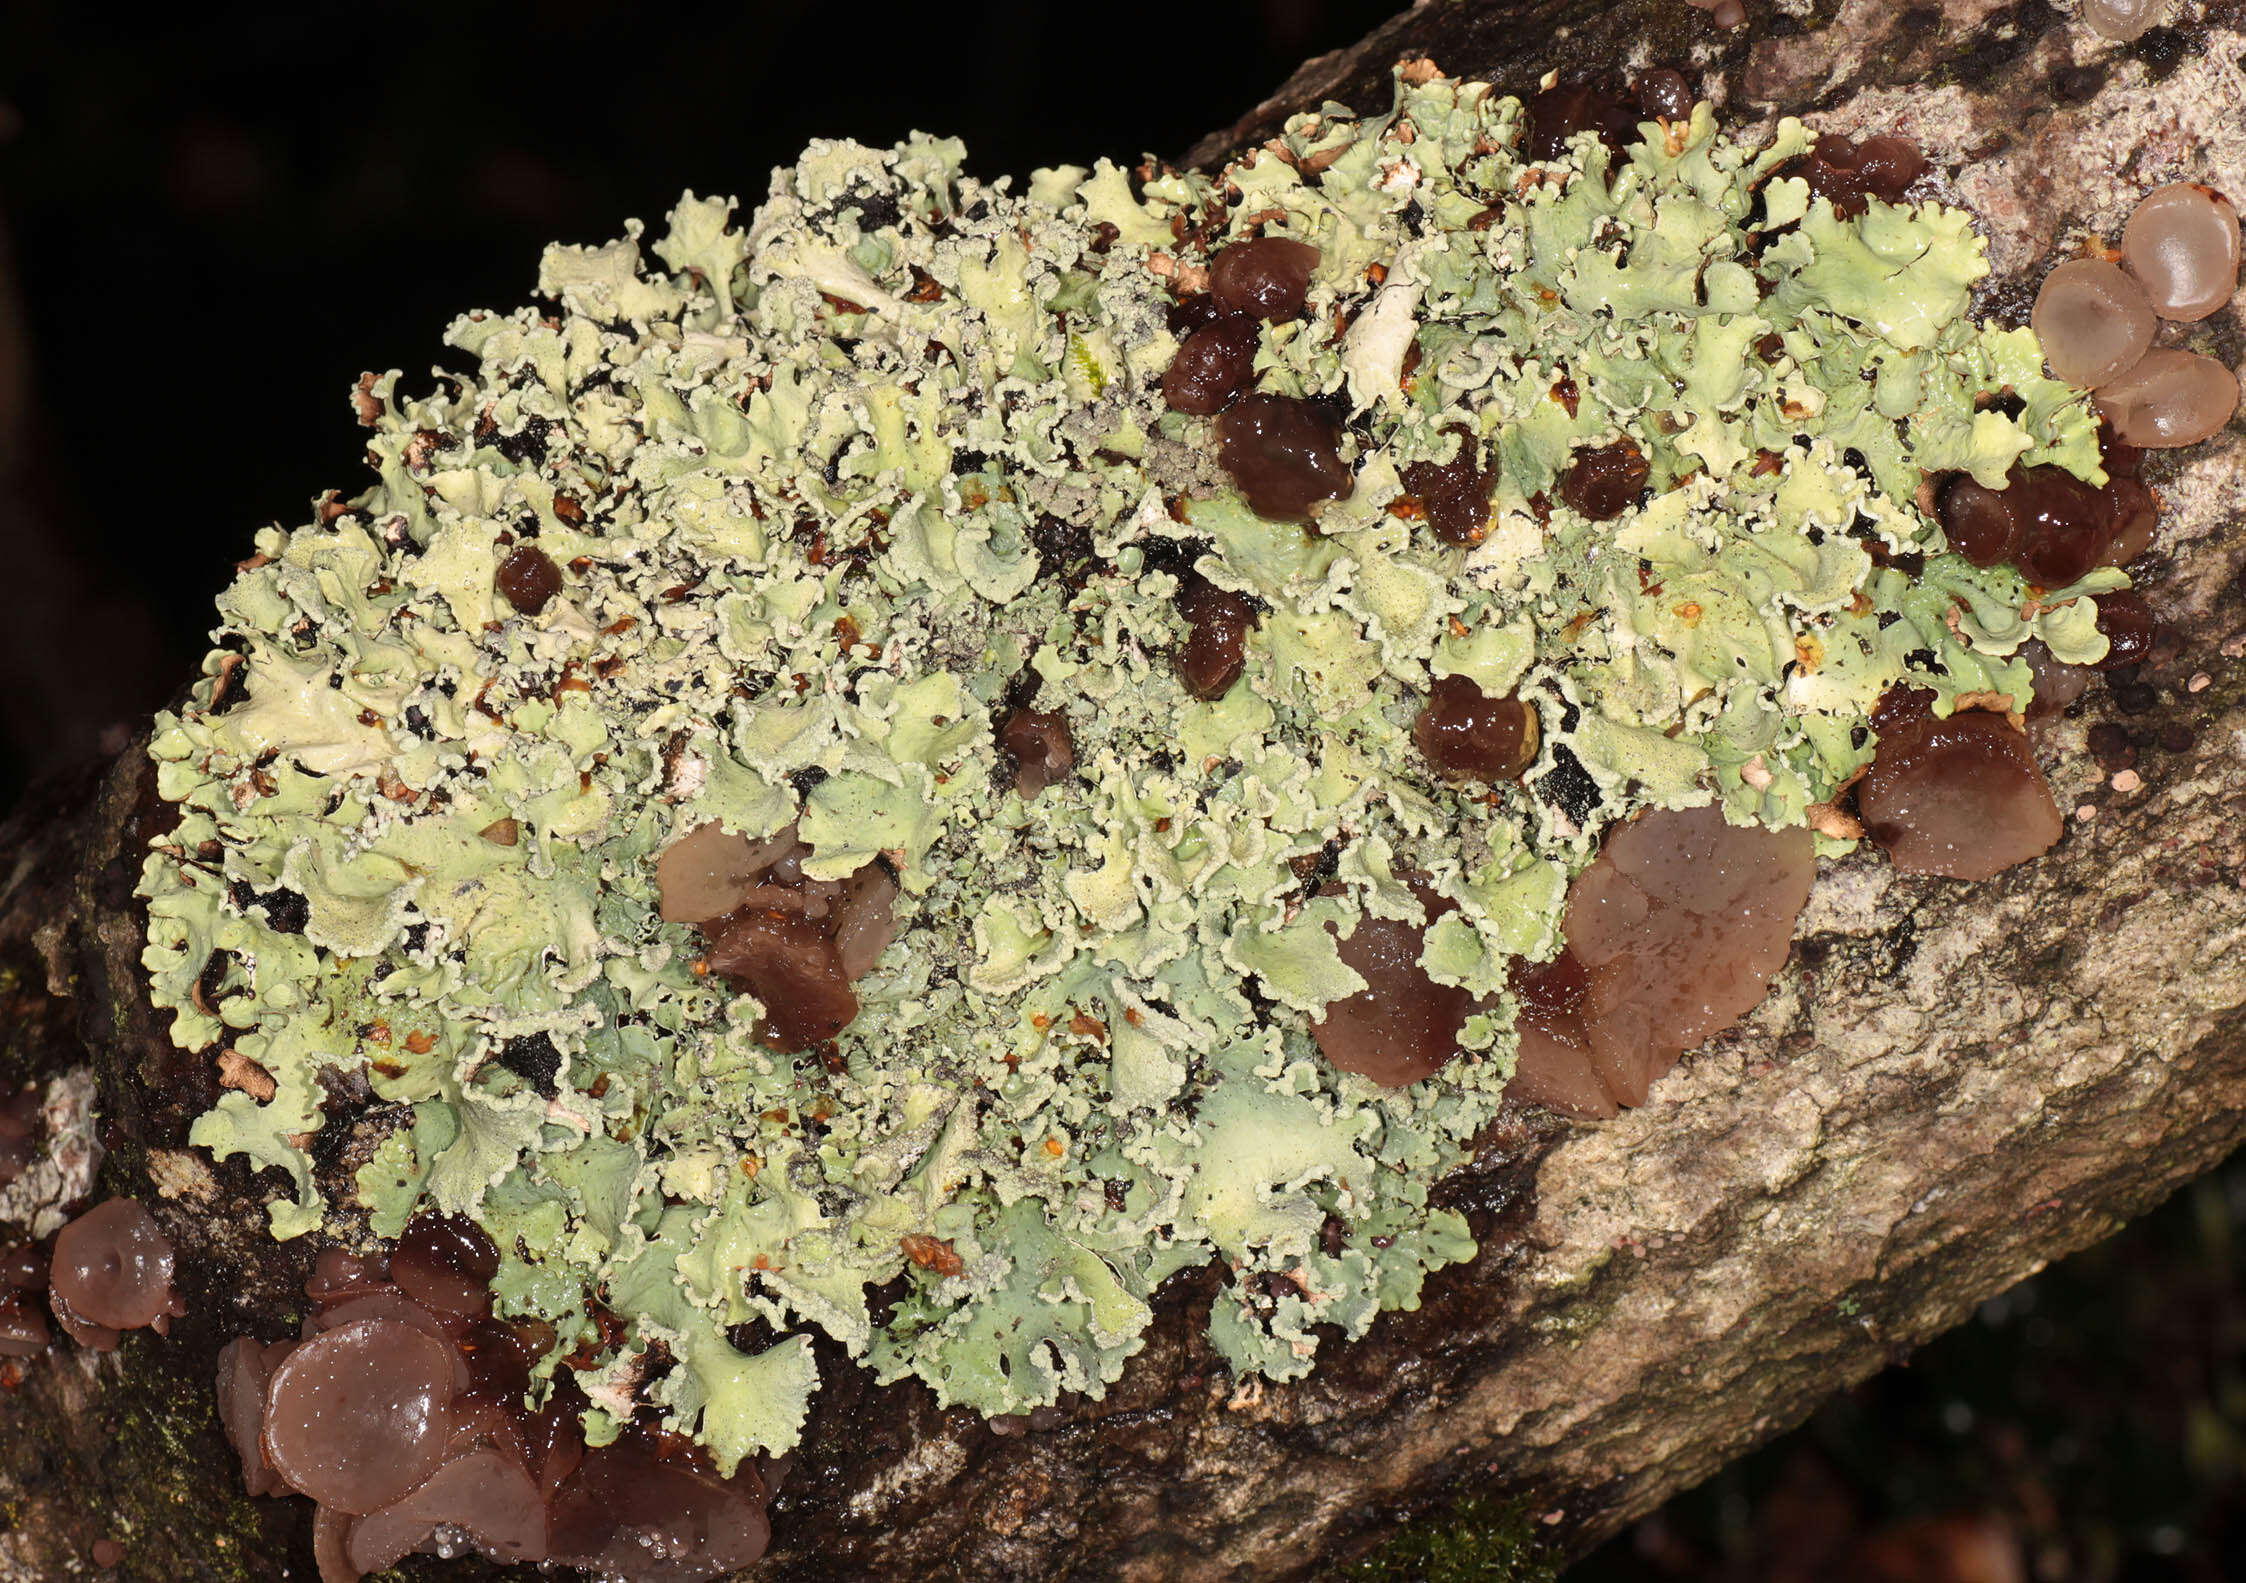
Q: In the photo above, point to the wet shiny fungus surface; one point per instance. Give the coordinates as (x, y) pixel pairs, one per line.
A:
(1847, 172)
(1284, 454)
(445, 1263)
(1468, 735)
(359, 1415)
(1039, 743)
(2093, 321)
(1672, 934)
(1215, 650)
(2170, 398)
(528, 579)
(1960, 797)
(1605, 481)
(1402, 1026)
(1266, 278)
(1456, 494)
(113, 1267)
(1215, 364)
(2181, 244)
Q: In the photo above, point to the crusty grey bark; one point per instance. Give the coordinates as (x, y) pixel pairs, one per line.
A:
(1951, 1086)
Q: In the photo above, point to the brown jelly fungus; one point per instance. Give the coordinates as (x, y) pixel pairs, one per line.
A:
(1267, 278)
(1605, 481)
(705, 873)
(1469, 736)
(2046, 521)
(1664, 94)
(1456, 493)
(2093, 321)
(1038, 742)
(359, 1415)
(528, 578)
(788, 961)
(1672, 935)
(1402, 1026)
(1726, 14)
(445, 1263)
(1845, 172)
(1215, 364)
(1284, 454)
(2129, 627)
(2181, 243)
(1215, 650)
(2124, 21)
(2170, 398)
(112, 1271)
(2054, 683)
(794, 942)
(1596, 105)
(1960, 797)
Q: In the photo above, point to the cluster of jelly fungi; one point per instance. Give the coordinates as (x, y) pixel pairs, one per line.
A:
(795, 942)
(403, 1412)
(2097, 317)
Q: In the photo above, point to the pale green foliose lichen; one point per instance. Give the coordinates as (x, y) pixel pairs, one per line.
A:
(803, 477)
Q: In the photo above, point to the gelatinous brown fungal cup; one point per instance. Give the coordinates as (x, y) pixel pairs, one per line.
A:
(112, 1272)
(794, 942)
(1671, 935)
(414, 1431)
(1959, 796)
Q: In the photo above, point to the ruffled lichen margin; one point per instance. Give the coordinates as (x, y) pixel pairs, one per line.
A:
(825, 485)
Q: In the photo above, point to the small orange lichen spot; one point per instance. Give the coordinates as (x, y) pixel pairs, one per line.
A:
(1087, 1026)
(934, 1254)
(1766, 463)
(1810, 650)
(378, 1031)
(1689, 613)
(1860, 603)
(1459, 629)
(599, 1088)
(502, 832)
(620, 626)
(420, 1043)
(387, 1068)
(1040, 1021)
(750, 1165)
(780, 1115)
(1133, 1016)
(1055, 1147)
(1406, 508)
(1376, 273)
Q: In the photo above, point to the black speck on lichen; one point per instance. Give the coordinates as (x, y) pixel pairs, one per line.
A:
(1480, 1539)
(533, 1058)
(2163, 49)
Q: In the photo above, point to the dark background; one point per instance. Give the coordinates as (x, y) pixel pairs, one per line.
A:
(212, 219)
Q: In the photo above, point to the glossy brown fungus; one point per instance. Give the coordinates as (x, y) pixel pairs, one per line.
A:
(2181, 243)
(1215, 651)
(2054, 683)
(1456, 493)
(1402, 1026)
(1284, 454)
(1846, 173)
(1665, 94)
(2170, 398)
(1216, 362)
(2093, 321)
(359, 1415)
(528, 579)
(794, 942)
(1266, 278)
(2048, 522)
(1960, 796)
(112, 1272)
(1596, 104)
(1672, 934)
(2129, 627)
(1038, 742)
(1605, 481)
(1469, 736)
(445, 1263)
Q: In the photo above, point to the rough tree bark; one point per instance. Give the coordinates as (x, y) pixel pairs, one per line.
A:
(1951, 1086)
